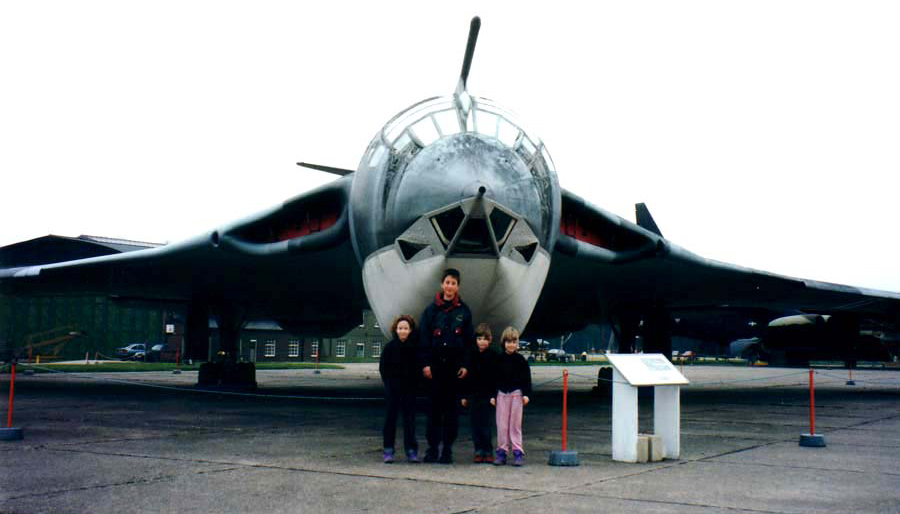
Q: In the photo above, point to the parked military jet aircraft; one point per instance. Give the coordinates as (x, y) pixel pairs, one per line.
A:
(451, 181)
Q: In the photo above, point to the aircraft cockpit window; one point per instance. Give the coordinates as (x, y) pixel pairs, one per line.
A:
(426, 131)
(447, 122)
(435, 118)
(526, 149)
(547, 160)
(507, 133)
(402, 141)
(486, 123)
(375, 159)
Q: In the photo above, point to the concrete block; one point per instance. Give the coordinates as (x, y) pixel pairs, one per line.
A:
(563, 458)
(643, 448)
(656, 451)
(11, 434)
(812, 440)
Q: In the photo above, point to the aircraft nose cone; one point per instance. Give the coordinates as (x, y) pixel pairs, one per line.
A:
(473, 188)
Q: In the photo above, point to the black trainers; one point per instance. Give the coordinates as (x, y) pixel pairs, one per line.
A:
(431, 455)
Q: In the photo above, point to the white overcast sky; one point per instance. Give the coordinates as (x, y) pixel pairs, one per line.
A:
(765, 134)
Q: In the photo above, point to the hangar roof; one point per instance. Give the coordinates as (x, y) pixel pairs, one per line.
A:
(53, 248)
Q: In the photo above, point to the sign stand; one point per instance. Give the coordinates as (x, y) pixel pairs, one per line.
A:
(631, 371)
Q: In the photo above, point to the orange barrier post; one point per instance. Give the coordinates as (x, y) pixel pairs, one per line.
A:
(9, 433)
(177, 370)
(812, 439)
(565, 406)
(812, 403)
(12, 389)
(564, 457)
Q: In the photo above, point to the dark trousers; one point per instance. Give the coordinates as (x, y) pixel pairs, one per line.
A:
(400, 399)
(482, 420)
(443, 420)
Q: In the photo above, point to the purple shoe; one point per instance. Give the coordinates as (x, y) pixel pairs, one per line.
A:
(500, 458)
(412, 456)
(388, 455)
(518, 458)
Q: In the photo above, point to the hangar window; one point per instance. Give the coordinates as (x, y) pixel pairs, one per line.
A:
(376, 349)
(270, 348)
(294, 348)
(314, 348)
(341, 349)
(360, 349)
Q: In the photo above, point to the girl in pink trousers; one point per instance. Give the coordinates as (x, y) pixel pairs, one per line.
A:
(513, 389)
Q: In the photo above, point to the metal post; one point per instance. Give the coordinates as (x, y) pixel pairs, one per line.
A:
(9, 433)
(12, 388)
(564, 457)
(812, 439)
(812, 404)
(565, 406)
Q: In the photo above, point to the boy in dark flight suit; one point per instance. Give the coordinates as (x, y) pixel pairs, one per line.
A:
(446, 340)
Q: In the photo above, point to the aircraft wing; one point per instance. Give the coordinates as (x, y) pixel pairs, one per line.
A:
(603, 264)
(293, 263)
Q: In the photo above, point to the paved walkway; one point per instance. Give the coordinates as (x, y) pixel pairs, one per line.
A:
(93, 445)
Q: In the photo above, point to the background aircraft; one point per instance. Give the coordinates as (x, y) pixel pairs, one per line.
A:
(454, 181)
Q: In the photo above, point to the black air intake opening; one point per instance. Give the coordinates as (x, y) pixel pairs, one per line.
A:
(527, 251)
(475, 238)
(410, 249)
(447, 223)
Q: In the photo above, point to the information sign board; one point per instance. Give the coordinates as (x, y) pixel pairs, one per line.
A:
(646, 369)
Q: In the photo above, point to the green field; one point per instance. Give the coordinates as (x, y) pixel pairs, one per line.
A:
(107, 367)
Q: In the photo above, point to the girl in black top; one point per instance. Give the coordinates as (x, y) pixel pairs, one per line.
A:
(513, 390)
(400, 371)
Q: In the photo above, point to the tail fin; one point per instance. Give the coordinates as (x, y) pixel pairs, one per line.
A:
(644, 219)
(461, 97)
(474, 27)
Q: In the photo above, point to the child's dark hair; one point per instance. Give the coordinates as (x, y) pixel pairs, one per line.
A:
(483, 330)
(451, 272)
(510, 334)
(403, 317)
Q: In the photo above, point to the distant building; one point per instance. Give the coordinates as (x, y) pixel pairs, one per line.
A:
(104, 324)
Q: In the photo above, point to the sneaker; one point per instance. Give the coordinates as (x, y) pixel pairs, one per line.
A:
(500, 458)
(489, 458)
(518, 458)
(412, 456)
(431, 455)
(478, 458)
(388, 455)
(446, 457)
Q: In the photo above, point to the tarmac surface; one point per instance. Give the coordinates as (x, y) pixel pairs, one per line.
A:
(312, 443)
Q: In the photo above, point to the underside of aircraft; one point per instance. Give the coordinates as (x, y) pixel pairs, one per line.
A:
(452, 181)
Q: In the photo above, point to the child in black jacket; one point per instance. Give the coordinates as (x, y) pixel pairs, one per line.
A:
(482, 381)
(400, 371)
(513, 390)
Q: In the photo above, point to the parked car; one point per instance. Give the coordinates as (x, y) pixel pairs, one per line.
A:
(154, 355)
(131, 352)
(557, 354)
